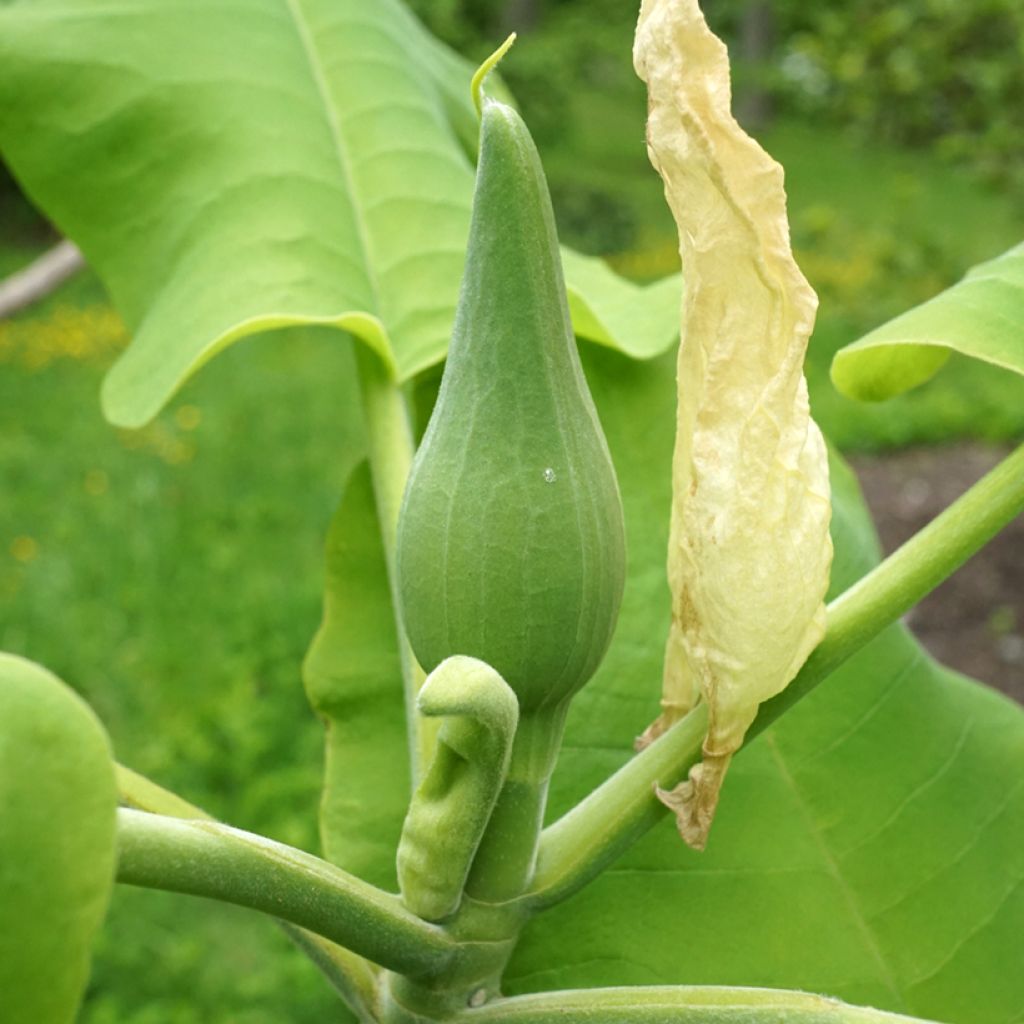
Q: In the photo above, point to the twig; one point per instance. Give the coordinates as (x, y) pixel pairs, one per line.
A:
(39, 278)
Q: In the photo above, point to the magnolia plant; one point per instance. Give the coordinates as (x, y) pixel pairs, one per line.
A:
(496, 618)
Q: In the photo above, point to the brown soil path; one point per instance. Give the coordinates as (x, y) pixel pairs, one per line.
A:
(974, 622)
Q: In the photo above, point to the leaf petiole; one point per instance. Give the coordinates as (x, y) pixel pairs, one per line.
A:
(204, 858)
(352, 976)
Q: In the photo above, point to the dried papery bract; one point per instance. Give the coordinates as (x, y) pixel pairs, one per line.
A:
(749, 549)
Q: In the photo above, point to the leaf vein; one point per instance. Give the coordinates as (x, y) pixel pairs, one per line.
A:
(333, 124)
(868, 937)
(922, 787)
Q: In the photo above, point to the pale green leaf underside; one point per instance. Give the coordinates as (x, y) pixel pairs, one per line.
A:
(233, 167)
(353, 678)
(981, 316)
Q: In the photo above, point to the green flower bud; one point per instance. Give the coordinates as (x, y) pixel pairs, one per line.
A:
(511, 546)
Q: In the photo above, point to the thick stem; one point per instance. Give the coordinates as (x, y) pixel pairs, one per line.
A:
(353, 977)
(487, 936)
(203, 858)
(580, 845)
(391, 449)
(677, 1005)
(507, 853)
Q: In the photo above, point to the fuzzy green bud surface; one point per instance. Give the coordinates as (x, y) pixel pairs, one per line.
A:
(511, 545)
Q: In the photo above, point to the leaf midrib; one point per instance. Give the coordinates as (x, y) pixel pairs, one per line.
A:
(308, 44)
(870, 940)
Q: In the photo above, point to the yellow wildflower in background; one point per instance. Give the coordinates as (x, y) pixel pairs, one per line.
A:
(96, 483)
(188, 417)
(76, 333)
(24, 549)
(160, 438)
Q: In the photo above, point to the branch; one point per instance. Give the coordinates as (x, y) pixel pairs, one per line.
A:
(677, 1005)
(353, 977)
(202, 858)
(39, 278)
(581, 844)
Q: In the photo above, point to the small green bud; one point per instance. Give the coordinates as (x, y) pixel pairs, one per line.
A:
(452, 805)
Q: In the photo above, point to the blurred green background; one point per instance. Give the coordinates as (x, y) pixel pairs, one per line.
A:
(173, 574)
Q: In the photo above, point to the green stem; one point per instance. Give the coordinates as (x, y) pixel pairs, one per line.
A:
(203, 858)
(580, 845)
(677, 1005)
(507, 853)
(352, 977)
(391, 450)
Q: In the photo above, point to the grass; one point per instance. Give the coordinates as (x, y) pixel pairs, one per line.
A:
(173, 575)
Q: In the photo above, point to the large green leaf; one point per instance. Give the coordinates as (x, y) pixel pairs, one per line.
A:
(58, 802)
(869, 846)
(982, 316)
(230, 168)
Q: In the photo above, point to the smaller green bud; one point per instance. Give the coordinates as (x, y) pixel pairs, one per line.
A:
(452, 805)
